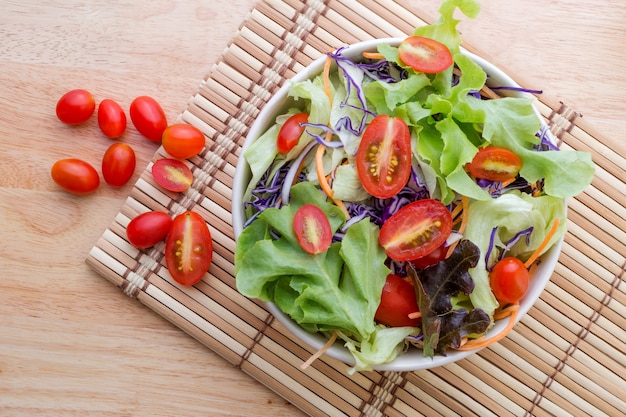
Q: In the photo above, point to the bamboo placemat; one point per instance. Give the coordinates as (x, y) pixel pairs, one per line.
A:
(566, 357)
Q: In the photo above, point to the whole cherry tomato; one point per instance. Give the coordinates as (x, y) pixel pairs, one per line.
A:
(188, 248)
(118, 164)
(383, 160)
(290, 132)
(397, 301)
(183, 141)
(425, 54)
(509, 280)
(148, 117)
(75, 176)
(312, 229)
(75, 106)
(148, 229)
(416, 230)
(111, 118)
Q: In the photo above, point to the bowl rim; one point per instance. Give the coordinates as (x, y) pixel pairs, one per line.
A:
(404, 362)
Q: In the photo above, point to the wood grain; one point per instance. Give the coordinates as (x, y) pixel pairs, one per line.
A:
(64, 351)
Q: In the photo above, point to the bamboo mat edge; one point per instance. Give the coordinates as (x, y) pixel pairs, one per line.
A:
(568, 374)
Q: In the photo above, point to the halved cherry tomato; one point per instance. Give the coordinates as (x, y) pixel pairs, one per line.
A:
(183, 141)
(188, 248)
(383, 160)
(290, 132)
(75, 176)
(172, 174)
(416, 230)
(509, 280)
(425, 54)
(111, 118)
(312, 229)
(75, 106)
(148, 229)
(495, 164)
(118, 164)
(432, 258)
(397, 301)
(148, 117)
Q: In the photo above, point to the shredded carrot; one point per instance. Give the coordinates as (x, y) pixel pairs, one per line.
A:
(456, 211)
(505, 312)
(319, 169)
(482, 342)
(320, 352)
(464, 215)
(543, 244)
(508, 182)
(373, 55)
(327, 80)
(415, 315)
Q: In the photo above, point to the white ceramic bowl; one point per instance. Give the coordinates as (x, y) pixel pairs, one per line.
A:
(413, 359)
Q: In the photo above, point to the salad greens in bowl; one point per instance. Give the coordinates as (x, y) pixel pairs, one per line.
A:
(392, 210)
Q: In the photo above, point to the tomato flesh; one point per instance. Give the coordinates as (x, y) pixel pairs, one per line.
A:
(432, 258)
(118, 164)
(290, 132)
(148, 229)
(111, 118)
(509, 280)
(383, 160)
(425, 54)
(416, 230)
(148, 117)
(312, 229)
(183, 141)
(75, 106)
(495, 164)
(397, 301)
(188, 248)
(75, 176)
(172, 174)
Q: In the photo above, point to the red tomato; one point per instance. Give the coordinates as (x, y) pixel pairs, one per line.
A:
(416, 230)
(148, 229)
(75, 106)
(290, 132)
(495, 164)
(118, 164)
(425, 54)
(183, 141)
(432, 258)
(312, 229)
(172, 174)
(148, 117)
(188, 248)
(509, 280)
(383, 160)
(111, 118)
(75, 176)
(397, 301)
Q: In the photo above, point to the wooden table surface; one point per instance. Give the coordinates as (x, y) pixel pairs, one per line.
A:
(70, 342)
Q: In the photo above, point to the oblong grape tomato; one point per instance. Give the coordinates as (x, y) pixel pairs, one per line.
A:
(75, 175)
(147, 229)
(75, 106)
(188, 248)
(118, 164)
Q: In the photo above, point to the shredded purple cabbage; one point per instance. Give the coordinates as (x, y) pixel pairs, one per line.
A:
(512, 88)
(507, 246)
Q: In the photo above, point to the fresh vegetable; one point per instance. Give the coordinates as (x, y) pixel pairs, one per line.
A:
(188, 248)
(147, 229)
(172, 174)
(182, 140)
(397, 302)
(75, 175)
(495, 164)
(312, 229)
(75, 106)
(416, 230)
(448, 258)
(383, 159)
(148, 117)
(509, 280)
(290, 132)
(111, 118)
(118, 164)
(425, 54)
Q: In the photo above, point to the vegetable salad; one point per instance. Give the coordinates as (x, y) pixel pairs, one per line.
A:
(403, 157)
